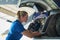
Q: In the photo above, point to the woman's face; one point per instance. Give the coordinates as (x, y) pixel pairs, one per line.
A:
(24, 18)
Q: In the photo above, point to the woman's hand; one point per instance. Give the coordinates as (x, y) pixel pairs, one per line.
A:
(36, 33)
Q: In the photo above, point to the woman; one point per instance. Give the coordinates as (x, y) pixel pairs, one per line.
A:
(17, 29)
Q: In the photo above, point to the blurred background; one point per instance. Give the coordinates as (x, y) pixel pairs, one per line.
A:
(9, 8)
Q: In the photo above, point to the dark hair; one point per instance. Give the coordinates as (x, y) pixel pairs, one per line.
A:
(21, 13)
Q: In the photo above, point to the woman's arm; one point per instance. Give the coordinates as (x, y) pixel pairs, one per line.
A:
(30, 33)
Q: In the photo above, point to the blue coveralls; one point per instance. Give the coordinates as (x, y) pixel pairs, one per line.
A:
(15, 31)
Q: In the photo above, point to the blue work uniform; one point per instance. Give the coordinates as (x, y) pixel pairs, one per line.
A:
(15, 31)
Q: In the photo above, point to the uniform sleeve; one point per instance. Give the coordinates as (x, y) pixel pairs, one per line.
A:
(17, 27)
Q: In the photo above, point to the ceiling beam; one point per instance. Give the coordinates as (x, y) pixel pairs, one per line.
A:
(8, 12)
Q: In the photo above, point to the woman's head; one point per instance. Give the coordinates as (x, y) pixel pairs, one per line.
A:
(22, 16)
